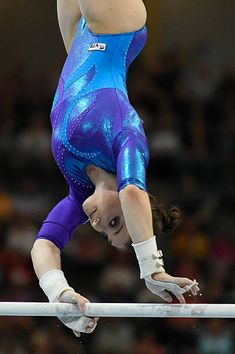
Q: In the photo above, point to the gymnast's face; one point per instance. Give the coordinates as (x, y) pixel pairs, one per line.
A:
(105, 214)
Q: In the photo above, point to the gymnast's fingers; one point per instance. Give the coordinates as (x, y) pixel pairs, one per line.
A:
(77, 334)
(180, 298)
(165, 296)
(91, 326)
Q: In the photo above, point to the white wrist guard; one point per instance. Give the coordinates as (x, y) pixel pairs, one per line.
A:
(149, 257)
(53, 283)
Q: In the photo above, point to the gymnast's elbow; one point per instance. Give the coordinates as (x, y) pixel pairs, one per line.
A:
(131, 191)
(42, 245)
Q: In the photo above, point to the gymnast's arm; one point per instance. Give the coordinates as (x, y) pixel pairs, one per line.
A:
(68, 17)
(137, 213)
(132, 162)
(132, 151)
(54, 234)
(45, 257)
(56, 231)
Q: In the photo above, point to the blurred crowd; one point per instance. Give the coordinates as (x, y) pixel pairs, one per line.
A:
(188, 111)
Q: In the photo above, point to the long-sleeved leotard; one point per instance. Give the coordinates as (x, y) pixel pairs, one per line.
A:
(93, 123)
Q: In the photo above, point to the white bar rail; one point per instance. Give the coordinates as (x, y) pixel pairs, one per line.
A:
(118, 310)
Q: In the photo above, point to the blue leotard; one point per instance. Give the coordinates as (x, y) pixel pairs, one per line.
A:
(93, 123)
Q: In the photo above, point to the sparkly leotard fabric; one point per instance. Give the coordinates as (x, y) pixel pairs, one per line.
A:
(93, 123)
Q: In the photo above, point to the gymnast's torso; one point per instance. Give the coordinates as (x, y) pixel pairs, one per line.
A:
(93, 122)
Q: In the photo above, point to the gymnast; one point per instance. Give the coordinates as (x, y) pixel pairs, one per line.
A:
(100, 146)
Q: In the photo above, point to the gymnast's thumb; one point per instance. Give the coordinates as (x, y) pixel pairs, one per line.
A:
(165, 296)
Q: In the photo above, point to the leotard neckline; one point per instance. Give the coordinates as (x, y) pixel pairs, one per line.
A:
(111, 34)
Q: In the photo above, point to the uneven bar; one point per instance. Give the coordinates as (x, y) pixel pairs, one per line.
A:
(118, 310)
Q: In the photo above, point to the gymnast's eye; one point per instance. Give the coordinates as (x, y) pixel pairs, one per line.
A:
(114, 222)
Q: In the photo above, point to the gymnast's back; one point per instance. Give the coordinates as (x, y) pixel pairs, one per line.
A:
(91, 114)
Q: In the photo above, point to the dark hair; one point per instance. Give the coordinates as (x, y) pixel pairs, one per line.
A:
(164, 220)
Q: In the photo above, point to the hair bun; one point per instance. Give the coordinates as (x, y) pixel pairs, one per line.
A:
(164, 220)
(171, 219)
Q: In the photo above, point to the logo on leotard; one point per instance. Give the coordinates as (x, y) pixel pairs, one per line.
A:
(97, 46)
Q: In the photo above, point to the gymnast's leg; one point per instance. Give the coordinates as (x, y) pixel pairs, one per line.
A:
(69, 14)
(113, 16)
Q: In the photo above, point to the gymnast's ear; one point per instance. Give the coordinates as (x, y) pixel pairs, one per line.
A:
(164, 220)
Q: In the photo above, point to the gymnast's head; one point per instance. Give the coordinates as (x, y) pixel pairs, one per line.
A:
(105, 214)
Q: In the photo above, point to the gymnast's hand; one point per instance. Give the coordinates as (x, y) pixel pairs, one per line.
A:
(152, 271)
(77, 324)
(158, 283)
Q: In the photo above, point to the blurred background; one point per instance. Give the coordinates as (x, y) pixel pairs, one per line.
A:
(183, 87)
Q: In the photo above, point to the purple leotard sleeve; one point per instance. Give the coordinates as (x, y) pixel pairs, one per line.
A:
(63, 219)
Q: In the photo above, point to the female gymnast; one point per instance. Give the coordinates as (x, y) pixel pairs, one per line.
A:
(100, 146)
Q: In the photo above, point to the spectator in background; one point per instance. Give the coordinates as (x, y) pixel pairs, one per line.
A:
(20, 235)
(34, 142)
(216, 338)
(116, 336)
(147, 344)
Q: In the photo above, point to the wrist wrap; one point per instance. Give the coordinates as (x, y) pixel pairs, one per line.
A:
(149, 257)
(53, 283)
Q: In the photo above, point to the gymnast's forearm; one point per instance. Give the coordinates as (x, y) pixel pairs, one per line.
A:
(47, 265)
(45, 257)
(137, 213)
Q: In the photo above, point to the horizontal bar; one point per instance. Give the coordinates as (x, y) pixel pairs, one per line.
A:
(118, 310)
